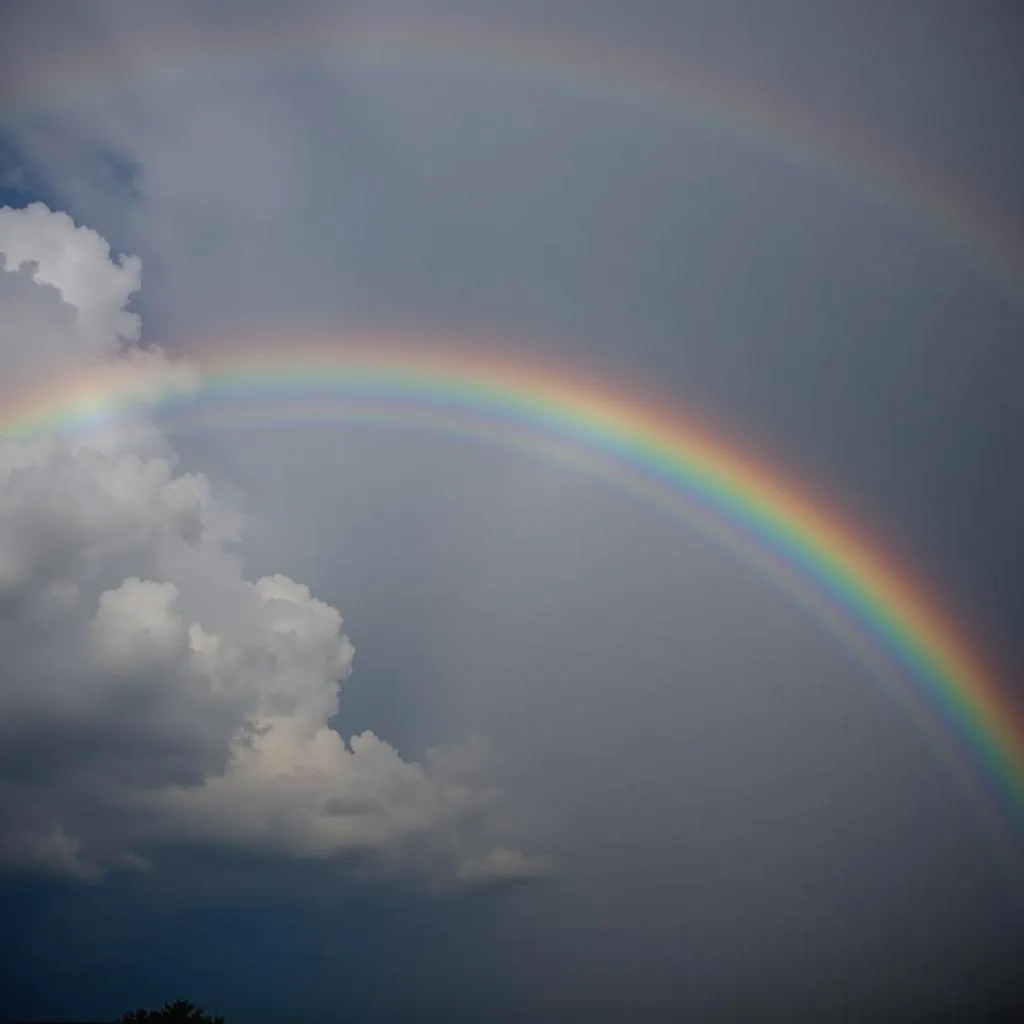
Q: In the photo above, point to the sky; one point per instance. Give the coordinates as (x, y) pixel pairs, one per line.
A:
(371, 722)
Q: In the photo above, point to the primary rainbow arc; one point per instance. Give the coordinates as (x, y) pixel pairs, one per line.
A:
(663, 454)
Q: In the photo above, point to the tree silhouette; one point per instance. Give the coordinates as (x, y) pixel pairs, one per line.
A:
(179, 1012)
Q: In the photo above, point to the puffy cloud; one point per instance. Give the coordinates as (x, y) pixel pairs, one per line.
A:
(76, 261)
(150, 694)
(66, 511)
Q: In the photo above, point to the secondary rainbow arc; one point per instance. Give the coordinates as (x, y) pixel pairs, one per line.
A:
(776, 122)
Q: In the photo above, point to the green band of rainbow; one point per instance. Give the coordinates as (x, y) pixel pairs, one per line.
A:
(678, 459)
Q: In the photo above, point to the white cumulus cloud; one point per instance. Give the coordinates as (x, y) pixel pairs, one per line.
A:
(152, 696)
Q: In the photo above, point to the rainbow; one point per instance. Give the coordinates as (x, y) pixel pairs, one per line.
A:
(679, 463)
(779, 123)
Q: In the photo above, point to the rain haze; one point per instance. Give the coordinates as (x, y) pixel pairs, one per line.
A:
(389, 679)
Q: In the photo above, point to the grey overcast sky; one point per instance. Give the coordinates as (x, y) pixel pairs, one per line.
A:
(335, 724)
